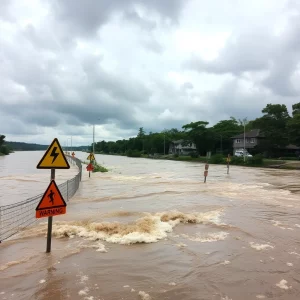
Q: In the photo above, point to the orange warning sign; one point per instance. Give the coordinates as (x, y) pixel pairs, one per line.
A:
(52, 202)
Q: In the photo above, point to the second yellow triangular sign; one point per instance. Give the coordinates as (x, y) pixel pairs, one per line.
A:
(54, 158)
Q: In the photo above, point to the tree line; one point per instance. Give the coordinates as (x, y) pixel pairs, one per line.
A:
(278, 127)
(4, 149)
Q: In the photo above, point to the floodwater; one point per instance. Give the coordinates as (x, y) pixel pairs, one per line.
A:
(20, 179)
(151, 229)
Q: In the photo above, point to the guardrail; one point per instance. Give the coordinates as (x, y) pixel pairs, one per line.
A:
(15, 217)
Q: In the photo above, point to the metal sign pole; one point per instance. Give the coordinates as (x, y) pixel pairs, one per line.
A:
(50, 219)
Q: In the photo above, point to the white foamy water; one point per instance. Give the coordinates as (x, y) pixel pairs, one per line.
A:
(211, 237)
(260, 247)
(283, 285)
(144, 295)
(148, 229)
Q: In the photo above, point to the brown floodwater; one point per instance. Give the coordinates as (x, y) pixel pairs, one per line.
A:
(151, 229)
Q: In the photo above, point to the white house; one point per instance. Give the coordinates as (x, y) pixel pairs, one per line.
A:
(181, 148)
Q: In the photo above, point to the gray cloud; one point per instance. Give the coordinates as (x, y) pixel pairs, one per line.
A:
(66, 65)
(259, 50)
(85, 17)
(240, 54)
(143, 23)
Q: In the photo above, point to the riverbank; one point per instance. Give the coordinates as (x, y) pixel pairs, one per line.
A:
(235, 161)
(265, 163)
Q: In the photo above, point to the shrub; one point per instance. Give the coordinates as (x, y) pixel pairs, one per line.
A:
(133, 153)
(236, 160)
(99, 168)
(288, 158)
(255, 160)
(217, 159)
(4, 149)
(194, 154)
(175, 155)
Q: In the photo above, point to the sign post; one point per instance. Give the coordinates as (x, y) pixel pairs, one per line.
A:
(228, 162)
(90, 167)
(206, 172)
(52, 202)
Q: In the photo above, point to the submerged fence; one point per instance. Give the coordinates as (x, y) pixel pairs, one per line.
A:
(20, 215)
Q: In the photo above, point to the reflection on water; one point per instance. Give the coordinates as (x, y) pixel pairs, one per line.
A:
(151, 229)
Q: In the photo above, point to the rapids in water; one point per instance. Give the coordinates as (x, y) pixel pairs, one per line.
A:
(151, 229)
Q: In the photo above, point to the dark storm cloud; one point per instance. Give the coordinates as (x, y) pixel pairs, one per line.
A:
(259, 50)
(85, 17)
(66, 65)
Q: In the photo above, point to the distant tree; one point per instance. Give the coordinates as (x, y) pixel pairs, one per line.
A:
(224, 130)
(273, 125)
(141, 132)
(202, 136)
(2, 138)
(3, 148)
(293, 125)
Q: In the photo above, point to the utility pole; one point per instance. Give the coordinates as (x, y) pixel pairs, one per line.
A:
(164, 143)
(244, 140)
(94, 139)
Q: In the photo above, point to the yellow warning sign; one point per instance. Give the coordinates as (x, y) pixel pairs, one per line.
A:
(54, 158)
(91, 157)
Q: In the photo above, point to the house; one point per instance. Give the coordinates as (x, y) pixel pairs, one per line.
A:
(182, 147)
(252, 139)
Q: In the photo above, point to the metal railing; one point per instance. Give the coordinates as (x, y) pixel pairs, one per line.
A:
(15, 217)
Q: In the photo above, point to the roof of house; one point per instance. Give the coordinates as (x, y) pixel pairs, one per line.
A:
(177, 142)
(249, 134)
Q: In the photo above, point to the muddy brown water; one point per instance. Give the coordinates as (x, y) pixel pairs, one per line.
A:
(151, 229)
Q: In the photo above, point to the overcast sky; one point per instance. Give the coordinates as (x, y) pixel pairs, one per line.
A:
(65, 65)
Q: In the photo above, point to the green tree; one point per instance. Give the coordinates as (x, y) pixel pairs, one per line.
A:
(141, 132)
(2, 138)
(203, 137)
(273, 124)
(293, 125)
(224, 130)
(3, 148)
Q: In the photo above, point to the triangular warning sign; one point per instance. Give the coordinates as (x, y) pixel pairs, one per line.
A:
(54, 158)
(91, 157)
(52, 202)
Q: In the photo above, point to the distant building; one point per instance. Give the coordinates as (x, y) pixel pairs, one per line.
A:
(181, 147)
(252, 139)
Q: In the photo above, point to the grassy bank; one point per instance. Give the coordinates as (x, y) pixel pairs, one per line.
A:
(97, 167)
(256, 161)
